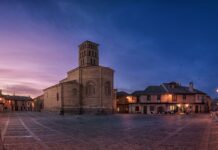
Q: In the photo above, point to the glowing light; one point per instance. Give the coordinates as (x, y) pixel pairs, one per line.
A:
(129, 99)
(118, 109)
(179, 105)
(217, 90)
(186, 105)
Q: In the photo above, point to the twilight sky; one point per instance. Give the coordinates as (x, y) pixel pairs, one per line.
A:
(146, 42)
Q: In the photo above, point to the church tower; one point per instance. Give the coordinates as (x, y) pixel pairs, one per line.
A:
(88, 54)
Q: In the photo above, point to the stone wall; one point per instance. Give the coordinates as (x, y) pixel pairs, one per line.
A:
(70, 96)
(99, 77)
(52, 98)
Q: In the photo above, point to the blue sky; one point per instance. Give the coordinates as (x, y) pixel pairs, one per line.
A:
(145, 42)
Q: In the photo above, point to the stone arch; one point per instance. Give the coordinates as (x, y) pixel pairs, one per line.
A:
(90, 88)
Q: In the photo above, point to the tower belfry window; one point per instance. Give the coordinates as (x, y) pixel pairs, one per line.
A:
(88, 54)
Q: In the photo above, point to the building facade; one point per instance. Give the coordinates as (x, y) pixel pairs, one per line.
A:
(166, 98)
(38, 103)
(86, 89)
(15, 103)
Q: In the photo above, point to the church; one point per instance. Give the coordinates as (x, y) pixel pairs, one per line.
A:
(86, 89)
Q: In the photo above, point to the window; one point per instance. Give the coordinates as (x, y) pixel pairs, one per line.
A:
(148, 97)
(137, 108)
(151, 108)
(202, 100)
(174, 97)
(158, 97)
(90, 89)
(89, 53)
(184, 97)
(107, 88)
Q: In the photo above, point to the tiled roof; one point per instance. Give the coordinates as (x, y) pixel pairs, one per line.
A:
(122, 93)
(18, 98)
(178, 89)
(154, 90)
(137, 93)
(171, 87)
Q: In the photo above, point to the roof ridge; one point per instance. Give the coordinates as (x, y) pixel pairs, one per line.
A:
(165, 88)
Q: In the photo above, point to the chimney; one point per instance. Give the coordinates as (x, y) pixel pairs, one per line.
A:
(191, 86)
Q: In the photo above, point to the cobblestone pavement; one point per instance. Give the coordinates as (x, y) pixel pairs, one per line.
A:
(48, 131)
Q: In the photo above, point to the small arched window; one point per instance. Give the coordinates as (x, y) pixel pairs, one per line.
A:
(90, 89)
(107, 88)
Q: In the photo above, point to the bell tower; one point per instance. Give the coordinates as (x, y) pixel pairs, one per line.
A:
(88, 54)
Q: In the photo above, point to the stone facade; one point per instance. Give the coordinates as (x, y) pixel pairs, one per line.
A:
(86, 89)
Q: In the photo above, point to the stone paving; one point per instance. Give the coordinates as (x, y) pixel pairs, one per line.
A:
(48, 131)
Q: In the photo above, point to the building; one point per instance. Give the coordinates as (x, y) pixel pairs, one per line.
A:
(214, 104)
(39, 103)
(86, 89)
(124, 100)
(15, 103)
(166, 98)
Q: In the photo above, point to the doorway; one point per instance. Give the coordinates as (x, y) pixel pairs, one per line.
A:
(145, 109)
(196, 109)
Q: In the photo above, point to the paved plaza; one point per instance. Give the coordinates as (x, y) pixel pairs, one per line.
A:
(48, 131)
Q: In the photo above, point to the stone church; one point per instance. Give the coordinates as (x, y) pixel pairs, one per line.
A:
(86, 89)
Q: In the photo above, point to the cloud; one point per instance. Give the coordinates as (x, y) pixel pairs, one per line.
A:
(25, 90)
